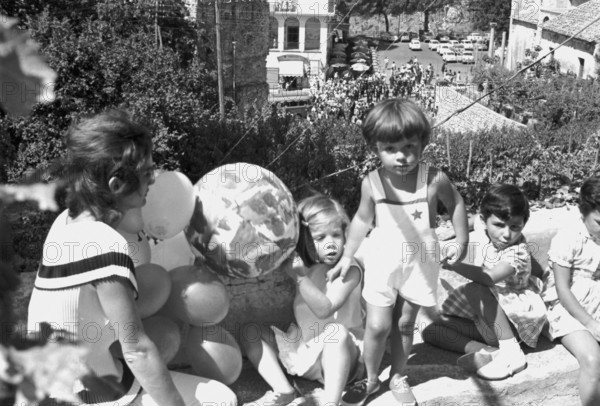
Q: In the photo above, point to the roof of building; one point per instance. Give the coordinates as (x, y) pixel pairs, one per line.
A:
(574, 20)
(475, 118)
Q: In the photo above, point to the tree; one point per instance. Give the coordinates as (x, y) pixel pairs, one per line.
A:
(486, 11)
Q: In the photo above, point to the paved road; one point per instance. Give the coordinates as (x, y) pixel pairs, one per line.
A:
(400, 53)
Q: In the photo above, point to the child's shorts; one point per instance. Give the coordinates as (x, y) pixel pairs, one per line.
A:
(392, 269)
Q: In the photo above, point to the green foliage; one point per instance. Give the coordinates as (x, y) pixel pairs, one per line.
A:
(485, 12)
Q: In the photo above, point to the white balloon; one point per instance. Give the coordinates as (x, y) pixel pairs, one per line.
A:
(172, 253)
(169, 205)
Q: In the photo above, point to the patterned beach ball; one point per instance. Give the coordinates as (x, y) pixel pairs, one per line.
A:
(245, 221)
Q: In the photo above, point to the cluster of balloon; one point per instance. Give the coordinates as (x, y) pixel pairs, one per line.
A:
(213, 353)
(245, 221)
(238, 220)
(197, 296)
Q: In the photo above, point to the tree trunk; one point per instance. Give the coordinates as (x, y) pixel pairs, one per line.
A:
(387, 22)
(426, 20)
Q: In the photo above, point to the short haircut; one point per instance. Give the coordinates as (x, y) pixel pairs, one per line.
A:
(393, 120)
(589, 195)
(504, 201)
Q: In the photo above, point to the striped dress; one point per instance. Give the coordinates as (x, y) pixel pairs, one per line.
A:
(75, 257)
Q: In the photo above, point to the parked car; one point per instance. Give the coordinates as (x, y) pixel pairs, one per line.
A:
(453, 42)
(415, 45)
(404, 37)
(433, 44)
(413, 35)
(449, 56)
(467, 57)
(442, 47)
(443, 38)
(481, 45)
(386, 36)
(475, 36)
(468, 44)
(458, 48)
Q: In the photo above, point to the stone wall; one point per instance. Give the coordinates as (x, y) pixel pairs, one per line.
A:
(455, 18)
(246, 23)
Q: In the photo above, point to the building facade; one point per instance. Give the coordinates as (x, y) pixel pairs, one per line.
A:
(301, 34)
(548, 23)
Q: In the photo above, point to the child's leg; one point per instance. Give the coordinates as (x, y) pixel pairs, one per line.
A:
(379, 323)
(339, 357)
(403, 331)
(485, 305)
(261, 350)
(454, 334)
(585, 348)
(510, 359)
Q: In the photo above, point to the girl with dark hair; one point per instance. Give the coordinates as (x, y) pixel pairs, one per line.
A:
(86, 285)
(486, 318)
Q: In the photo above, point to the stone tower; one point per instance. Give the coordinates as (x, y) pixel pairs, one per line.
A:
(247, 24)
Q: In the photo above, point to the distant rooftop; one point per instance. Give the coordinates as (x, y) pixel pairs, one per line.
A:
(574, 20)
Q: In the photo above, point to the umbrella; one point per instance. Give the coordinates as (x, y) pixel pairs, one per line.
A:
(358, 60)
(359, 55)
(341, 54)
(362, 42)
(339, 65)
(360, 67)
(340, 45)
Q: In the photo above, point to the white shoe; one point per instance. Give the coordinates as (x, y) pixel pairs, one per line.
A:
(503, 365)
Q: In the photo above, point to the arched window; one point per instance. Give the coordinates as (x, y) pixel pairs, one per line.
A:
(312, 34)
(273, 32)
(292, 33)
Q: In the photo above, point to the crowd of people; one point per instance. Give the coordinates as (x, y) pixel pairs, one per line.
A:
(349, 96)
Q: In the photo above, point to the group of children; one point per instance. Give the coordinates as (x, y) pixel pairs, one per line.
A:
(502, 307)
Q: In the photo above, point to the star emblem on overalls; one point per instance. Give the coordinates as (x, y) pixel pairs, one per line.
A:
(416, 214)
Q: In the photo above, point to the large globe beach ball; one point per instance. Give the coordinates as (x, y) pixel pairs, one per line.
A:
(245, 222)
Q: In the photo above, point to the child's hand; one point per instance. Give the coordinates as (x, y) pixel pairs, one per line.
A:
(340, 269)
(296, 271)
(453, 253)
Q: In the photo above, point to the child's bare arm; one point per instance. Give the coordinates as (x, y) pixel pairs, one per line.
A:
(454, 203)
(360, 225)
(562, 279)
(487, 277)
(324, 305)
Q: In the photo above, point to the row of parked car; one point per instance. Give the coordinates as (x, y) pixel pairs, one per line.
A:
(458, 51)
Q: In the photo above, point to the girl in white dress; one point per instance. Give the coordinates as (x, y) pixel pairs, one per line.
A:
(324, 343)
(572, 290)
